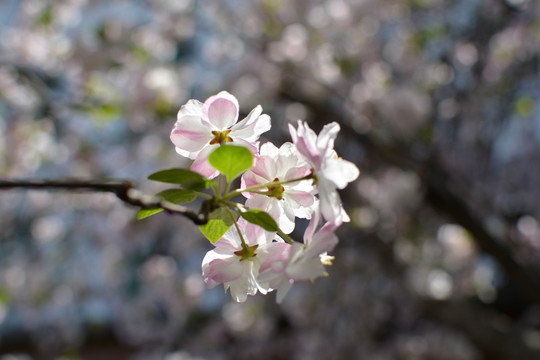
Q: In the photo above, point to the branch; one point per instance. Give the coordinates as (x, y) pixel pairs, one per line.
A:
(491, 332)
(123, 189)
(440, 193)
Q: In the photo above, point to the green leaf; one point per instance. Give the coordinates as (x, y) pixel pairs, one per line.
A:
(177, 196)
(220, 221)
(261, 218)
(227, 215)
(231, 160)
(187, 178)
(144, 213)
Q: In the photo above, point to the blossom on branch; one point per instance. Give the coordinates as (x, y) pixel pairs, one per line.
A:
(201, 127)
(235, 265)
(283, 202)
(286, 264)
(331, 172)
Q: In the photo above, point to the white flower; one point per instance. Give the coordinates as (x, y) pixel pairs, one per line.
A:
(284, 264)
(201, 128)
(331, 172)
(235, 267)
(282, 202)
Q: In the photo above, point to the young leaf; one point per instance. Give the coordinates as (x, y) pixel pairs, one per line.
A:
(231, 160)
(214, 229)
(177, 196)
(227, 215)
(144, 213)
(261, 218)
(220, 221)
(187, 178)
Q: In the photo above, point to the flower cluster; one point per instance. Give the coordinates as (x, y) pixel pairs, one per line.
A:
(253, 251)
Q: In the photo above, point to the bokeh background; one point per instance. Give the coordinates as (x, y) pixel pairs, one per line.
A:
(438, 105)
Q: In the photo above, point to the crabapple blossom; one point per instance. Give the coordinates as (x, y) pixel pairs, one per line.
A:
(235, 265)
(201, 128)
(330, 171)
(299, 179)
(286, 264)
(283, 202)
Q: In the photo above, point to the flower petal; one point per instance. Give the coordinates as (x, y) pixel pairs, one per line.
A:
(340, 172)
(190, 135)
(201, 164)
(252, 126)
(221, 110)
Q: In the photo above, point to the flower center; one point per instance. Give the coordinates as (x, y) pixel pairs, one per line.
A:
(275, 190)
(221, 137)
(247, 252)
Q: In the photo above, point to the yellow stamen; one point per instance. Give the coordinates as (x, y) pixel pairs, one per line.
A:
(221, 137)
(276, 190)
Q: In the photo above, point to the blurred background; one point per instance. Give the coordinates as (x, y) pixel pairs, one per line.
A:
(438, 105)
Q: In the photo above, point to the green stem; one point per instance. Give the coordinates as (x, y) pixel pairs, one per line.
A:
(204, 195)
(285, 237)
(220, 184)
(244, 245)
(232, 194)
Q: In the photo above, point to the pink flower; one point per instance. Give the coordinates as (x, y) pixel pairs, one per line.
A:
(284, 264)
(282, 202)
(331, 172)
(201, 128)
(234, 267)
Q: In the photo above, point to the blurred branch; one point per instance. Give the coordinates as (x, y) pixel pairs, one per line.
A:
(439, 186)
(488, 330)
(122, 189)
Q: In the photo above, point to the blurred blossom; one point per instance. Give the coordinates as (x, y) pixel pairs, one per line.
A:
(47, 229)
(484, 281)
(458, 246)
(91, 88)
(439, 284)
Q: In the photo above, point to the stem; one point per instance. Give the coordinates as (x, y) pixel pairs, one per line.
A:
(204, 195)
(227, 187)
(285, 237)
(244, 245)
(123, 189)
(256, 187)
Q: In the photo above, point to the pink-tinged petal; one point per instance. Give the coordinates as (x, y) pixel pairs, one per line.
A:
(340, 172)
(219, 271)
(275, 253)
(300, 198)
(253, 147)
(251, 179)
(246, 284)
(312, 226)
(283, 290)
(330, 203)
(265, 167)
(325, 140)
(221, 110)
(269, 149)
(191, 108)
(201, 164)
(251, 128)
(297, 172)
(323, 241)
(191, 134)
(286, 220)
(305, 141)
(293, 133)
(307, 269)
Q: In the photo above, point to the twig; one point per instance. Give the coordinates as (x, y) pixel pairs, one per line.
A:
(123, 189)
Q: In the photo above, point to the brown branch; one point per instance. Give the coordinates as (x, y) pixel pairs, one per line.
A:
(123, 189)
